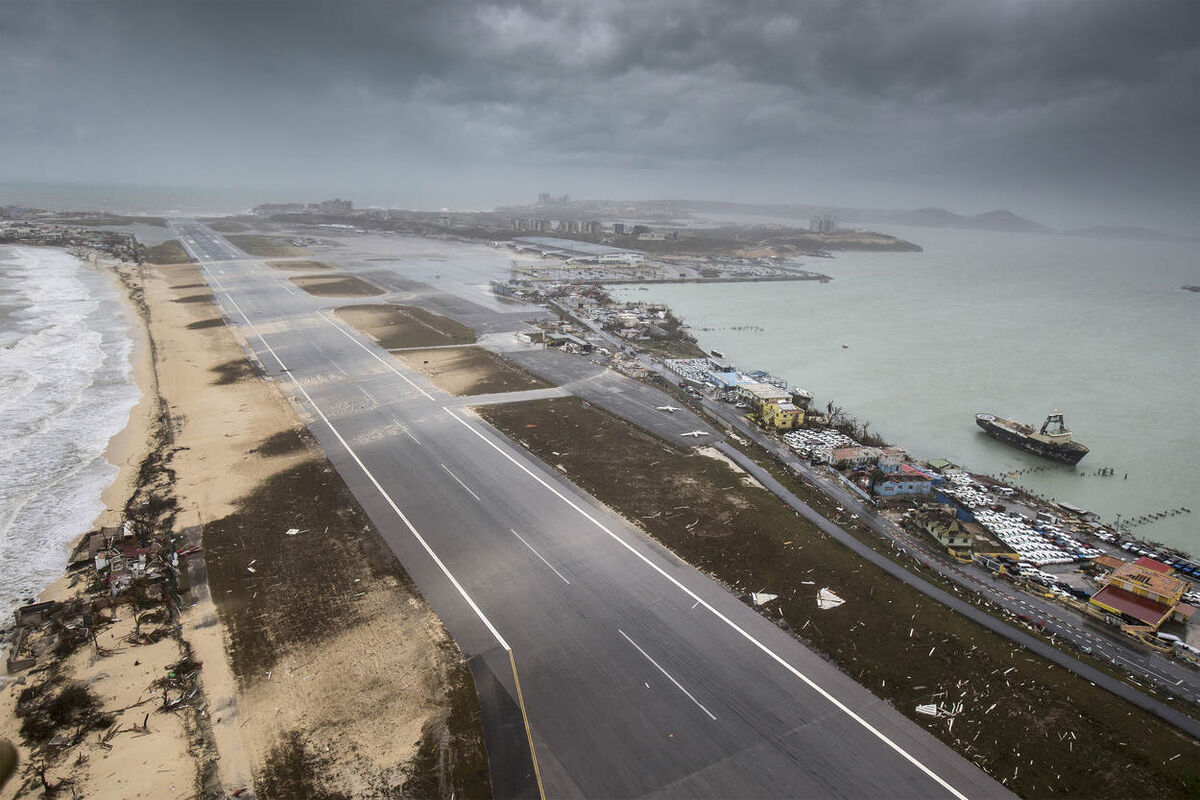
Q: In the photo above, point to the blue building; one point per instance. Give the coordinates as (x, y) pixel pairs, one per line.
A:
(897, 485)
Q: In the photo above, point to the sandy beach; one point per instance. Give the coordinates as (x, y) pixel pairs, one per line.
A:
(300, 688)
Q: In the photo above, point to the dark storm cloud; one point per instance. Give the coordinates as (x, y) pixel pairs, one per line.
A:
(1022, 99)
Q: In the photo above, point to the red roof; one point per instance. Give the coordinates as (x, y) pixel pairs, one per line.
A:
(1150, 563)
(1130, 604)
(1184, 610)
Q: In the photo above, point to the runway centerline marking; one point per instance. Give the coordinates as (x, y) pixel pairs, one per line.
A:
(460, 483)
(880, 735)
(678, 685)
(374, 355)
(539, 555)
(404, 428)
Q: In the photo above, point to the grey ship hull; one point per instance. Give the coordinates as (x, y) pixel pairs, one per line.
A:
(1069, 453)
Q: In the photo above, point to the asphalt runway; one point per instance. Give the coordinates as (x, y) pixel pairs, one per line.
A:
(640, 676)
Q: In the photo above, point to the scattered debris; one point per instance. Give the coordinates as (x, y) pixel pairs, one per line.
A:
(826, 599)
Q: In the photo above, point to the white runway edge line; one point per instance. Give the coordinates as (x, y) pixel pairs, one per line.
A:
(746, 635)
(539, 555)
(658, 666)
(374, 355)
(370, 476)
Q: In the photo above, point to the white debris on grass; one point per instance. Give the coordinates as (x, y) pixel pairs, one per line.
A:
(827, 600)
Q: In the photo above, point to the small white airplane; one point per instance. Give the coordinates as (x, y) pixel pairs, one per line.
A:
(695, 433)
(668, 409)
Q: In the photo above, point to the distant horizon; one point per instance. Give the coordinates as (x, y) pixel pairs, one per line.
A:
(225, 201)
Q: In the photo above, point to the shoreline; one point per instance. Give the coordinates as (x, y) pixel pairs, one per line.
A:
(128, 447)
(208, 447)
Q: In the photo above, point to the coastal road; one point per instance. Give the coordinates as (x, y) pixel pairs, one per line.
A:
(639, 676)
(1174, 678)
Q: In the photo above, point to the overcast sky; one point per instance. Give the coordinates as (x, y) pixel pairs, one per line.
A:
(1069, 112)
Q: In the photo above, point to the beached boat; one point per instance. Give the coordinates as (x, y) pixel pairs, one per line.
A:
(1052, 441)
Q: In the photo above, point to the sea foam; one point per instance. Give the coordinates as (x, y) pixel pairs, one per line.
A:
(66, 387)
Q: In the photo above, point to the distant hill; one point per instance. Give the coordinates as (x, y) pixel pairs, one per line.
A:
(666, 211)
(941, 218)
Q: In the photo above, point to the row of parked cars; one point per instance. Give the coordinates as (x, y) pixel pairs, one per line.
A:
(1180, 565)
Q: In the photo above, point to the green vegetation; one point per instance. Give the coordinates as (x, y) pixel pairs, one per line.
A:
(169, 252)
(1037, 728)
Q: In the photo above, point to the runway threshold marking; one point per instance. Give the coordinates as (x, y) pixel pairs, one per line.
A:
(460, 483)
(539, 555)
(659, 667)
(374, 355)
(878, 734)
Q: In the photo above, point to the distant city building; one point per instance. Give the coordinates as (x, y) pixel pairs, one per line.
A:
(825, 223)
(270, 209)
(619, 228)
(335, 206)
(592, 227)
(578, 251)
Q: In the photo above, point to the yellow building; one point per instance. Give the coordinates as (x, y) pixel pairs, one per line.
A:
(1142, 592)
(781, 415)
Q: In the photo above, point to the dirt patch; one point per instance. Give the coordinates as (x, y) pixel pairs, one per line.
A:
(232, 371)
(395, 326)
(194, 298)
(228, 226)
(471, 370)
(283, 443)
(215, 322)
(336, 286)
(169, 252)
(299, 266)
(1037, 728)
(264, 246)
(317, 618)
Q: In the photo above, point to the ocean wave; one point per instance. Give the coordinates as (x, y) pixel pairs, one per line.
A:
(66, 387)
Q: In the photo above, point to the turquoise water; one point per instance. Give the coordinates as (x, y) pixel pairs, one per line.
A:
(1012, 324)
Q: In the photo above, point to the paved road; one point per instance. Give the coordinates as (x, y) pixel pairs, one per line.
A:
(1168, 675)
(640, 676)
